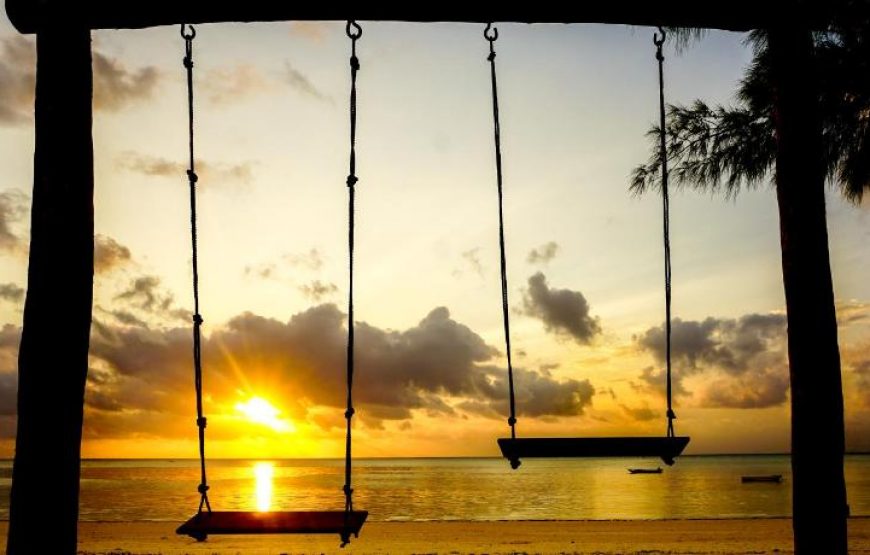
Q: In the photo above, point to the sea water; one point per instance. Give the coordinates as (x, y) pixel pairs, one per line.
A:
(451, 489)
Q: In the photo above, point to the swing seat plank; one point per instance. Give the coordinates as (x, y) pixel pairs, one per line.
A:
(200, 526)
(667, 448)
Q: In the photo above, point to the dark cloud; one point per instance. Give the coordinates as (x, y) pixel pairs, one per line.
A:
(144, 292)
(146, 295)
(208, 173)
(562, 311)
(728, 344)
(115, 86)
(109, 254)
(299, 82)
(543, 254)
(318, 290)
(438, 366)
(11, 292)
(13, 207)
(746, 355)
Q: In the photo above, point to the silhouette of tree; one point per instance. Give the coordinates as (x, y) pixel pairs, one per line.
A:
(802, 118)
(725, 148)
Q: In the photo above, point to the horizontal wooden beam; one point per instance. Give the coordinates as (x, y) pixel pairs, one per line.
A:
(735, 15)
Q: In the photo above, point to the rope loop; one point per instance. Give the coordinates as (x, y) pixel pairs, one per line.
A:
(490, 33)
(353, 30)
(659, 38)
(188, 32)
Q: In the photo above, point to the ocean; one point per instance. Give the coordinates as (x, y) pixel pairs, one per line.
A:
(451, 489)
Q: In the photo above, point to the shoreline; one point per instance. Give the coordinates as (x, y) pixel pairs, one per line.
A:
(699, 536)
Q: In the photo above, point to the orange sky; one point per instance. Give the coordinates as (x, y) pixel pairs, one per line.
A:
(584, 257)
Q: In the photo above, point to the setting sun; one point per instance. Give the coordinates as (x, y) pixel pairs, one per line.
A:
(260, 411)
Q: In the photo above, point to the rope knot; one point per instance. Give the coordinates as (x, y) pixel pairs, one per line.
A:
(351, 180)
(197, 319)
(202, 489)
(201, 422)
(512, 421)
(191, 175)
(347, 489)
(659, 55)
(671, 414)
(348, 414)
(188, 62)
(491, 56)
(354, 63)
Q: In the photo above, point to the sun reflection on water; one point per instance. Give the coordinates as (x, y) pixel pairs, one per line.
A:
(263, 472)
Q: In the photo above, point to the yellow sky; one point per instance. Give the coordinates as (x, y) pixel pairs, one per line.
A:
(584, 255)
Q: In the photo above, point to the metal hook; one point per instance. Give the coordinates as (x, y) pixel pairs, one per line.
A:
(188, 35)
(353, 30)
(659, 38)
(490, 33)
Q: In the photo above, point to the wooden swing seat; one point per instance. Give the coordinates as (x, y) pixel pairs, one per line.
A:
(201, 525)
(667, 448)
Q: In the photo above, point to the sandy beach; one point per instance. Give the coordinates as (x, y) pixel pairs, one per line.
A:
(755, 536)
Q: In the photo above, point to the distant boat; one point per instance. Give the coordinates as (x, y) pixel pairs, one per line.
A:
(771, 478)
(645, 470)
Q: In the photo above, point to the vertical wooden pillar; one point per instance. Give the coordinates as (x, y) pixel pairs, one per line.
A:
(53, 357)
(817, 435)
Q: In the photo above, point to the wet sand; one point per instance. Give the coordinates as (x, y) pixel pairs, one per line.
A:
(753, 536)
(720, 537)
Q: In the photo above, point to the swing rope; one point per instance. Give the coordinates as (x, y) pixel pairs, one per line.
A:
(188, 33)
(354, 32)
(491, 35)
(659, 41)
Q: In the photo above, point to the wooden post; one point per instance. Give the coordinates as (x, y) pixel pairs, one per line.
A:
(819, 499)
(53, 357)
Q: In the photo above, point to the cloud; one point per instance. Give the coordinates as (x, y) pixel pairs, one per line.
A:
(311, 260)
(11, 292)
(115, 86)
(472, 258)
(13, 207)
(543, 254)
(146, 295)
(312, 30)
(746, 358)
(438, 366)
(299, 82)
(17, 80)
(232, 84)
(109, 254)
(209, 173)
(850, 312)
(562, 311)
(732, 345)
(642, 414)
(318, 290)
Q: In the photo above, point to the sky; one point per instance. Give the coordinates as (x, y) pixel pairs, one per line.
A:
(584, 255)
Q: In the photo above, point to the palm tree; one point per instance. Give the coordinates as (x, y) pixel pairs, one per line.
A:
(802, 118)
(725, 148)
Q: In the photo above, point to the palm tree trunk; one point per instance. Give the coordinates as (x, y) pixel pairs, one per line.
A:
(53, 357)
(817, 437)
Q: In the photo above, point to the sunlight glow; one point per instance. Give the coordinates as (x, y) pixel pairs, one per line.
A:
(261, 411)
(263, 472)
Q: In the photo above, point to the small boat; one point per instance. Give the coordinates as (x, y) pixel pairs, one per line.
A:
(645, 470)
(770, 478)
